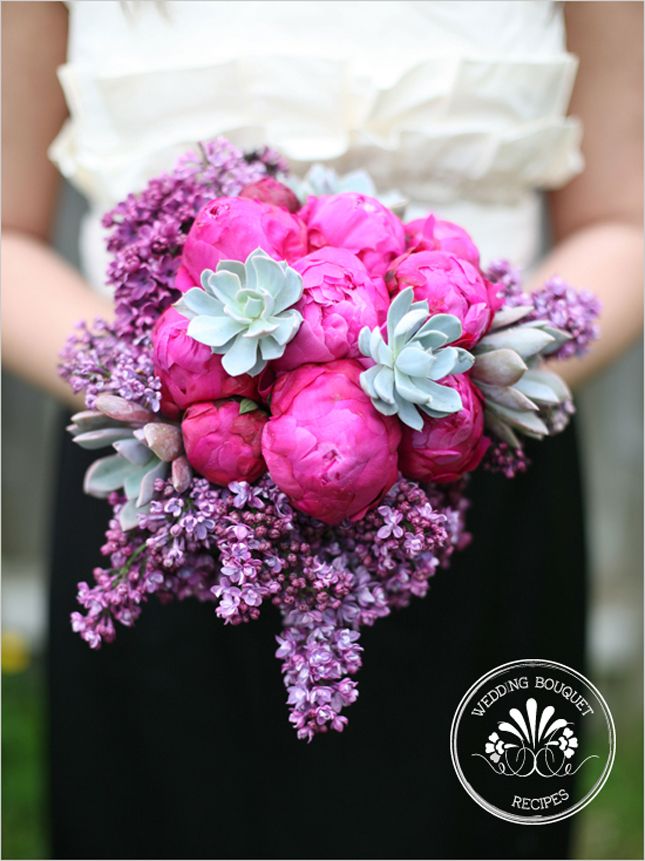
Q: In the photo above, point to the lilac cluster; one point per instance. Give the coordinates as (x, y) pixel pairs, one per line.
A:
(119, 590)
(509, 280)
(505, 459)
(244, 545)
(170, 556)
(148, 229)
(390, 556)
(96, 360)
(574, 311)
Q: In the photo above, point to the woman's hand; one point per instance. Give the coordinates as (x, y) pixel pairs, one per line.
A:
(43, 297)
(598, 218)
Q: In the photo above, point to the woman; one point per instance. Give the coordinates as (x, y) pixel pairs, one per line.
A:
(173, 742)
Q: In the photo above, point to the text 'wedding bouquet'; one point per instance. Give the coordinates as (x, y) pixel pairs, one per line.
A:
(293, 388)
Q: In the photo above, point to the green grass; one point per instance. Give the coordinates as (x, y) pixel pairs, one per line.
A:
(23, 811)
(612, 825)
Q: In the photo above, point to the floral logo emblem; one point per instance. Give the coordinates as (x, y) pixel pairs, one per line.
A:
(524, 723)
(532, 742)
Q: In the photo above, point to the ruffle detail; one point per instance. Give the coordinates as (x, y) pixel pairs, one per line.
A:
(487, 128)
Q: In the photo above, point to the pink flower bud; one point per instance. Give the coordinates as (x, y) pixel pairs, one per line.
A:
(435, 234)
(339, 298)
(326, 446)
(269, 190)
(450, 286)
(223, 444)
(230, 228)
(447, 448)
(358, 223)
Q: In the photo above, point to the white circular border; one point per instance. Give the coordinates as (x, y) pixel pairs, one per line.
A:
(537, 820)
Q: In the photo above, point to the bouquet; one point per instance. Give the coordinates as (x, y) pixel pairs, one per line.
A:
(294, 389)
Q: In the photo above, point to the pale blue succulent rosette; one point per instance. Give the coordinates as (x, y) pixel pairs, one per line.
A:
(418, 352)
(320, 180)
(245, 311)
(521, 395)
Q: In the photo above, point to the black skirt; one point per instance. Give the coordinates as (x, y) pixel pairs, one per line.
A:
(173, 742)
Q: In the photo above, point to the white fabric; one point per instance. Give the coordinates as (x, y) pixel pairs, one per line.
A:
(459, 105)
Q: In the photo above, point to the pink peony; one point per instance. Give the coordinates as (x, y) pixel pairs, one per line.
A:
(269, 190)
(223, 444)
(450, 286)
(358, 223)
(434, 234)
(189, 371)
(326, 446)
(339, 298)
(447, 448)
(229, 228)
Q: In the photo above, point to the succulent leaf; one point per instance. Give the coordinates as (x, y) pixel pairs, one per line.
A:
(146, 484)
(539, 392)
(247, 406)
(106, 475)
(101, 438)
(180, 474)
(129, 515)
(499, 367)
(132, 482)
(525, 421)
(88, 420)
(501, 429)
(509, 396)
(133, 451)
(525, 341)
(559, 336)
(510, 315)
(121, 410)
(164, 440)
(551, 379)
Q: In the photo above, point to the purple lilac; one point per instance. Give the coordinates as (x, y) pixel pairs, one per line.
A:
(242, 546)
(574, 311)
(509, 280)
(148, 229)
(96, 360)
(505, 460)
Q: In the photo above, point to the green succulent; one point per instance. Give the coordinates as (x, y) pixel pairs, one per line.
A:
(415, 356)
(244, 313)
(521, 395)
(146, 447)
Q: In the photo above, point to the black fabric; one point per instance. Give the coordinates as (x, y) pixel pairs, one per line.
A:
(174, 741)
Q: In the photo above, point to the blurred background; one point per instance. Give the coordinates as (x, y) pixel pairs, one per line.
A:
(610, 426)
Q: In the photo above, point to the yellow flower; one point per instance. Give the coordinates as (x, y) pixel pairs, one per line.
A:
(15, 652)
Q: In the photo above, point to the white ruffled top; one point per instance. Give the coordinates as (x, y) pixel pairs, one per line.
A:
(461, 106)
